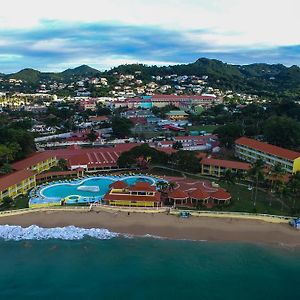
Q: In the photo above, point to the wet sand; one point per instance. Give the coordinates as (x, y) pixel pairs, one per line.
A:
(167, 226)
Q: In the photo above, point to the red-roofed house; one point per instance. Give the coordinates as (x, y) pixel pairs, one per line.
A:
(250, 150)
(16, 183)
(218, 167)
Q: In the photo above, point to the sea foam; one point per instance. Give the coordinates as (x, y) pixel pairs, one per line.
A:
(34, 232)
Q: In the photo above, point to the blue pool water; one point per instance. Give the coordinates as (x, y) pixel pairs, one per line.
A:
(87, 190)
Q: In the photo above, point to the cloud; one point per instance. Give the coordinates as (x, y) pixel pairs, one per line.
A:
(103, 33)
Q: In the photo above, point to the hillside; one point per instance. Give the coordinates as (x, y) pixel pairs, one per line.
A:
(267, 80)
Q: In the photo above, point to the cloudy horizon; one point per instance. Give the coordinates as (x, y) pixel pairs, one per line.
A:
(103, 34)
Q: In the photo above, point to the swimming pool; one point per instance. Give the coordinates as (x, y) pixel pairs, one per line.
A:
(81, 191)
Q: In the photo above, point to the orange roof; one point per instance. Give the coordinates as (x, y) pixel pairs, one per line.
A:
(32, 160)
(199, 194)
(178, 194)
(221, 195)
(267, 148)
(126, 197)
(142, 187)
(14, 178)
(119, 185)
(225, 163)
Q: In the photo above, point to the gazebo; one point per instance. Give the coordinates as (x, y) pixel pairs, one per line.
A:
(178, 197)
(199, 196)
(220, 197)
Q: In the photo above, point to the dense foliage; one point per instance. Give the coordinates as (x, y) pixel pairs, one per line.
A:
(130, 158)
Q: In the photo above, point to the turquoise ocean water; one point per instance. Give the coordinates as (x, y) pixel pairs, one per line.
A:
(145, 268)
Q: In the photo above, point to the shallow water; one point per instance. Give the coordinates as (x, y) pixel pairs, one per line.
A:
(111, 266)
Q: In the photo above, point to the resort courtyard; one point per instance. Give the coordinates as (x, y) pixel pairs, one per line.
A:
(133, 190)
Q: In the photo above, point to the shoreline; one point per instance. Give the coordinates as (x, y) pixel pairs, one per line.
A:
(195, 228)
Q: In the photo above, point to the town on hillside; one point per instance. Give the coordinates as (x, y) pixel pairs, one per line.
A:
(187, 143)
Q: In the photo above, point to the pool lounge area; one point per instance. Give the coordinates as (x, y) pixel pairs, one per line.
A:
(84, 191)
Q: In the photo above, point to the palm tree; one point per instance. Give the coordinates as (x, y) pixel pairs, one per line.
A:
(256, 173)
(294, 187)
(276, 178)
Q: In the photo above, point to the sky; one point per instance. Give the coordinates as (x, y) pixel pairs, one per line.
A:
(59, 34)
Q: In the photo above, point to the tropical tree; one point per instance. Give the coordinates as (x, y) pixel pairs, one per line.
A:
(256, 174)
(7, 202)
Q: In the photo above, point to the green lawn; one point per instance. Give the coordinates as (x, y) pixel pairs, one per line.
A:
(207, 128)
(21, 202)
(241, 201)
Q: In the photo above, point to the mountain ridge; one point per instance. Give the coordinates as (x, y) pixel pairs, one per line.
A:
(270, 80)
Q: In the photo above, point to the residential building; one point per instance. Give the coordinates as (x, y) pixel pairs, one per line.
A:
(177, 115)
(251, 150)
(16, 183)
(218, 167)
(88, 104)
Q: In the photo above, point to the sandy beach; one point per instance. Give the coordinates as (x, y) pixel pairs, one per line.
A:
(167, 226)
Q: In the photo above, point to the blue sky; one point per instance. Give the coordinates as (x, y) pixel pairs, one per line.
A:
(58, 34)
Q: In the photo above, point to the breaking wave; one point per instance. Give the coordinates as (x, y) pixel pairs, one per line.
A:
(34, 232)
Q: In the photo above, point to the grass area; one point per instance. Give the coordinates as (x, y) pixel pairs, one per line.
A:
(242, 198)
(242, 201)
(207, 128)
(20, 202)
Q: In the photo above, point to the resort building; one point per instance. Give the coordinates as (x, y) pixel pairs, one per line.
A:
(17, 183)
(178, 197)
(177, 115)
(141, 194)
(93, 159)
(251, 150)
(218, 167)
(38, 162)
(184, 101)
(198, 197)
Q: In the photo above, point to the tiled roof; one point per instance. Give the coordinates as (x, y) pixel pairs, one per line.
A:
(267, 148)
(199, 194)
(94, 157)
(178, 194)
(225, 163)
(221, 195)
(119, 185)
(32, 160)
(142, 187)
(14, 178)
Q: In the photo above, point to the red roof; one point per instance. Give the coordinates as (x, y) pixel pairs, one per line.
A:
(199, 194)
(98, 118)
(93, 157)
(119, 185)
(267, 148)
(221, 195)
(142, 187)
(14, 178)
(32, 160)
(178, 194)
(126, 197)
(225, 163)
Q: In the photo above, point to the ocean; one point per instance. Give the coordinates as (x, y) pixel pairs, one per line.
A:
(71, 263)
